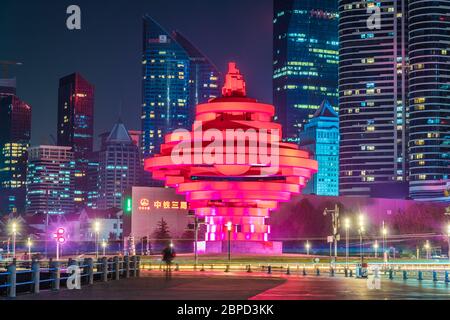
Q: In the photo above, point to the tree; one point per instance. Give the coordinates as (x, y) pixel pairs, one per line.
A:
(162, 233)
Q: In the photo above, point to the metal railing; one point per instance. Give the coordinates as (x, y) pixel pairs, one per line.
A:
(32, 276)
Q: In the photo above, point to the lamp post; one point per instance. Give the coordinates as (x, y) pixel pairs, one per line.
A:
(375, 247)
(104, 245)
(307, 246)
(97, 234)
(427, 249)
(229, 227)
(335, 223)
(361, 230)
(347, 228)
(29, 244)
(14, 234)
(384, 234)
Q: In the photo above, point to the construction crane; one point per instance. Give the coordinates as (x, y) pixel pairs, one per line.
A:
(6, 65)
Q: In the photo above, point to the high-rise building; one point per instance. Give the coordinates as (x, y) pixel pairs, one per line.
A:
(76, 129)
(305, 60)
(15, 134)
(119, 167)
(175, 77)
(321, 138)
(373, 98)
(50, 183)
(429, 98)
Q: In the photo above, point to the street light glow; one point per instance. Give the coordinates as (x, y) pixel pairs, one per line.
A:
(14, 227)
(347, 223)
(448, 230)
(229, 226)
(97, 226)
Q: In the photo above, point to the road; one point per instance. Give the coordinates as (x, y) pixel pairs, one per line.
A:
(153, 285)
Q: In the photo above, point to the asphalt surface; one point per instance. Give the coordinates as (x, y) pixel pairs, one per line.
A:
(154, 285)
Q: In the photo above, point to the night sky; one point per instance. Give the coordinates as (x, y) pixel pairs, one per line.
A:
(107, 51)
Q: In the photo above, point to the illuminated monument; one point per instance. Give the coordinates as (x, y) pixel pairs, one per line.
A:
(233, 169)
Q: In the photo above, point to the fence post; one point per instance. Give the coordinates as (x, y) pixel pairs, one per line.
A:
(138, 266)
(116, 268)
(420, 276)
(12, 280)
(90, 263)
(36, 275)
(56, 274)
(104, 269)
(227, 268)
(126, 260)
(133, 266)
(435, 276)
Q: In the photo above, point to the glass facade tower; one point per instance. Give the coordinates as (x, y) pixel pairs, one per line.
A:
(429, 94)
(321, 138)
(373, 100)
(50, 184)
(15, 134)
(175, 77)
(76, 130)
(305, 60)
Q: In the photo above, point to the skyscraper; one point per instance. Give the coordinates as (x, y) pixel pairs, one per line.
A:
(76, 128)
(119, 167)
(175, 77)
(15, 134)
(305, 60)
(321, 138)
(373, 104)
(429, 94)
(50, 184)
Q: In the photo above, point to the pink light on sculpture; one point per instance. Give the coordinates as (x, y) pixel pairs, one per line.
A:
(233, 168)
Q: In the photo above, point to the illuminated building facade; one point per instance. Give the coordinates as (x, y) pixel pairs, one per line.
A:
(429, 94)
(175, 77)
(305, 60)
(236, 189)
(373, 99)
(321, 137)
(76, 129)
(119, 167)
(15, 134)
(50, 180)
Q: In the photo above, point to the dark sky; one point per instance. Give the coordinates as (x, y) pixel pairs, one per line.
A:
(107, 51)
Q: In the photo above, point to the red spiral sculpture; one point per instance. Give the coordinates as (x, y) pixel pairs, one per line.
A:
(233, 167)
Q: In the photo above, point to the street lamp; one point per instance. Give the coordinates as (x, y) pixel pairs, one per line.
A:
(347, 228)
(361, 230)
(229, 227)
(384, 233)
(14, 233)
(375, 246)
(307, 246)
(29, 244)
(427, 248)
(104, 245)
(97, 234)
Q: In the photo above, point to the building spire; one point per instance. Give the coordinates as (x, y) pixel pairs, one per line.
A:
(234, 82)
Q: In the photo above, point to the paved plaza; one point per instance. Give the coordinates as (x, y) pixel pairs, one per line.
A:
(154, 285)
